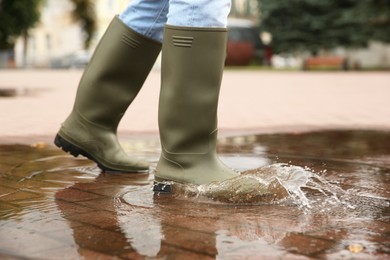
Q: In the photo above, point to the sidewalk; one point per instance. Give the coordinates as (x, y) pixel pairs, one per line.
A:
(53, 206)
(250, 101)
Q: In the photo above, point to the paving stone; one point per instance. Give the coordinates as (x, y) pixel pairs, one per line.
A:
(304, 245)
(74, 195)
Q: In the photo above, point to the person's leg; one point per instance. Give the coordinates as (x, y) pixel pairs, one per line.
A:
(147, 17)
(193, 55)
(199, 13)
(120, 64)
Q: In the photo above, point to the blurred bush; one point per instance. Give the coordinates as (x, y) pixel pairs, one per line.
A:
(312, 25)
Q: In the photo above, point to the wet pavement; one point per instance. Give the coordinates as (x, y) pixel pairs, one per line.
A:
(54, 206)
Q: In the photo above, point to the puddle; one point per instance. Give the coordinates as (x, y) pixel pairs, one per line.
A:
(276, 183)
(302, 195)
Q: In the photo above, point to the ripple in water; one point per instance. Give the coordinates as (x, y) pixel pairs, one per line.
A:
(276, 183)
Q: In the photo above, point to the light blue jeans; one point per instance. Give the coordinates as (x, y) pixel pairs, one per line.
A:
(148, 17)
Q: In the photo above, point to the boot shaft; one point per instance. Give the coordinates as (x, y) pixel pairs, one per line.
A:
(116, 72)
(112, 79)
(192, 67)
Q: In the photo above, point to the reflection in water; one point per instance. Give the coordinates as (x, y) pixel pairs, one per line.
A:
(141, 228)
(319, 195)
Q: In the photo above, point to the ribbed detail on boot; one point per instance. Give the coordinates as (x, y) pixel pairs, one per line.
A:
(133, 43)
(182, 41)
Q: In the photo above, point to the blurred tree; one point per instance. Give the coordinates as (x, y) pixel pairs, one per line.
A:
(375, 14)
(16, 18)
(324, 24)
(84, 12)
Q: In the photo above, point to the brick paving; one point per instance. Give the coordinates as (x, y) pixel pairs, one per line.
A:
(53, 206)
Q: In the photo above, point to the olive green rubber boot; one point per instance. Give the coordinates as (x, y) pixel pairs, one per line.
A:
(192, 67)
(111, 81)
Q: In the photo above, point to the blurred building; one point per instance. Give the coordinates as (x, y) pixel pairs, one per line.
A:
(56, 35)
(58, 38)
(248, 9)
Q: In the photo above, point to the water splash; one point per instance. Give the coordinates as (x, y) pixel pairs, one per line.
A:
(275, 183)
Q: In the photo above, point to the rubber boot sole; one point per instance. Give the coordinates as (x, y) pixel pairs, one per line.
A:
(76, 151)
(160, 187)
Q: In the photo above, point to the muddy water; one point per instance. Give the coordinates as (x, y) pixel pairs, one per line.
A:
(302, 195)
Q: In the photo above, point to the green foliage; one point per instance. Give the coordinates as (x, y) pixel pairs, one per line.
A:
(16, 17)
(376, 15)
(84, 12)
(324, 24)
